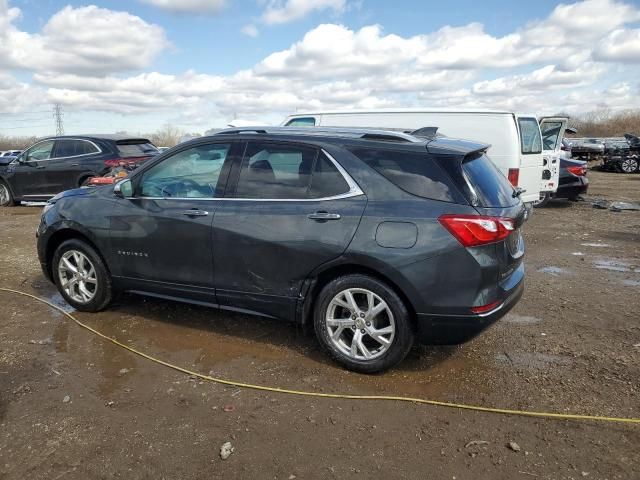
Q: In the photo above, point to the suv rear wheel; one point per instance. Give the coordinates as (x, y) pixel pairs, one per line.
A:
(629, 165)
(363, 324)
(81, 276)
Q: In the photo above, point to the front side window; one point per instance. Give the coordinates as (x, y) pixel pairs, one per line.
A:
(302, 122)
(530, 141)
(41, 151)
(191, 173)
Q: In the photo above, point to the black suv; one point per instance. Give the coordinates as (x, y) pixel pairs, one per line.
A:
(60, 163)
(375, 237)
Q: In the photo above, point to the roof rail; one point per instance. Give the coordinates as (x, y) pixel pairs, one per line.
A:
(364, 133)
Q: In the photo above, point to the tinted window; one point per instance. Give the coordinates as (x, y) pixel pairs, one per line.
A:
(302, 122)
(488, 184)
(41, 151)
(276, 171)
(326, 180)
(191, 173)
(72, 148)
(136, 149)
(530, 135)
(413, 172)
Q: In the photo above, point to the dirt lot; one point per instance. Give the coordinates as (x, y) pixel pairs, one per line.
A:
(571, 345)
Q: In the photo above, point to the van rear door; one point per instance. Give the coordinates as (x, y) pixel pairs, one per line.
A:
(530, 171)
(552, 130)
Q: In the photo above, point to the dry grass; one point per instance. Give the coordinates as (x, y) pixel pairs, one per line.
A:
(603, 123)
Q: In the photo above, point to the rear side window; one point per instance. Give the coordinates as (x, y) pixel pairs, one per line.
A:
(302, 122)
(490, 187)
(276, 171)
(73, 148)
(413, 172)
(530, 141)
(128, 149)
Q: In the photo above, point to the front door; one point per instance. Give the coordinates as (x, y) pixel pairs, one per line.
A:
(29, 180)
(552, 129)
(292, 209)
(161, 239)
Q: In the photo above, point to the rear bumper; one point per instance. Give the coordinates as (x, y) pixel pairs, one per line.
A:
(571, 190)
(455, 329)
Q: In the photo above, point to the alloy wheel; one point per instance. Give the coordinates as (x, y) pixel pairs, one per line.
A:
(77, 276)
(5, 197)
(629, 165)
(360, 324)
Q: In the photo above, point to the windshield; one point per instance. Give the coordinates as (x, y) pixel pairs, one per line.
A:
(137, 149)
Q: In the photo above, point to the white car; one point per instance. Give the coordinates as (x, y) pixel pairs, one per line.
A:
(515, 139)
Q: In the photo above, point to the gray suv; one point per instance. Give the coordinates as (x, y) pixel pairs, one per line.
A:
(377, 238)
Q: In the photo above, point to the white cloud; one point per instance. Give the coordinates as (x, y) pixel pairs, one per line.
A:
(285, 11)
(250, 30)
(620, 46)
(201, 7)
(89, 40)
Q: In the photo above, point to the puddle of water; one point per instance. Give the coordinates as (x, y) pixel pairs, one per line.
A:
(531, 360)
(551, 270)
(578, 254)
(612, 265)
(596, 245)
(521, 319)
(631, 283)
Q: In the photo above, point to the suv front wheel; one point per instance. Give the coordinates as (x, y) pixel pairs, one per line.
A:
(81, 276)
(363, 324)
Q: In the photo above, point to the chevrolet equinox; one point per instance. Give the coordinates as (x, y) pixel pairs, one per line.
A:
(376, 237)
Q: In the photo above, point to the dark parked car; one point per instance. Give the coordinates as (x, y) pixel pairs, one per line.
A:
(55, 164)
(375, 237)
(587, 148)
(573, 179)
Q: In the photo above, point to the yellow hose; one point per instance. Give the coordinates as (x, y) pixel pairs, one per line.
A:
(477, 408)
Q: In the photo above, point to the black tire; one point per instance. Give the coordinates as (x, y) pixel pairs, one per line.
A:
(6, 197)
(545, 198)
(103, 291)
(401, 341)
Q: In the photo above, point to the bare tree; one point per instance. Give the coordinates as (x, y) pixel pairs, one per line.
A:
(167, 136)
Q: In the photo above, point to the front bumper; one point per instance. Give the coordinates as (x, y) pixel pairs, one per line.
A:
(455, 329)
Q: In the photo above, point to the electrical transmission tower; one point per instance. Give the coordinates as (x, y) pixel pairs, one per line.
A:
(57, 114)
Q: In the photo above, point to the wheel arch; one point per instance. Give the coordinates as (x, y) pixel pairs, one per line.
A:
(62, 236)
(320, 279)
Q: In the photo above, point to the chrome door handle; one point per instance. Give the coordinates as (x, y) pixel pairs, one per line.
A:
(195, 213)
(324, 216)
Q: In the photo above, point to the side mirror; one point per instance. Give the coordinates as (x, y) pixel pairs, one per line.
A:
(123, 189)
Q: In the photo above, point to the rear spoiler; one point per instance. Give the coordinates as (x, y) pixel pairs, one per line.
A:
(132, 141)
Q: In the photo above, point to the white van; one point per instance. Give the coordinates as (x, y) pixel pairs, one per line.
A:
(516, 143)
(553, 130)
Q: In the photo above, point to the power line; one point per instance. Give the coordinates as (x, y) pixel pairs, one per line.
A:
(26, 126)
(57, 114)
(24, 113)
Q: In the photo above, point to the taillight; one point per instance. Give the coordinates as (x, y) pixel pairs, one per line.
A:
(475, 230)
(114, 162)
(578, 171)
(514, 176)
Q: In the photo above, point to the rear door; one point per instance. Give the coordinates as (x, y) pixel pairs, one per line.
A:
(292, 209)
(530, 157)
(71, 161)
(552, 130)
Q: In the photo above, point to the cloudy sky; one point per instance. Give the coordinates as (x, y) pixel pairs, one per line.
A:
(136, 65)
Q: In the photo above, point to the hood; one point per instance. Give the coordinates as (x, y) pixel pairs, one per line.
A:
(76, 192)
(6, 160)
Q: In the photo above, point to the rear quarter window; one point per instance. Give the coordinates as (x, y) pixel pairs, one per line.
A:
(414, 172)
(490, 187)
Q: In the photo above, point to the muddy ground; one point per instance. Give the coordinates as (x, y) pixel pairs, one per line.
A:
(571, 345)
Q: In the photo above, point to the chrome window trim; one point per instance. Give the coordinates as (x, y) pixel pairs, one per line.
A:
(354, 191)
(54, 140)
